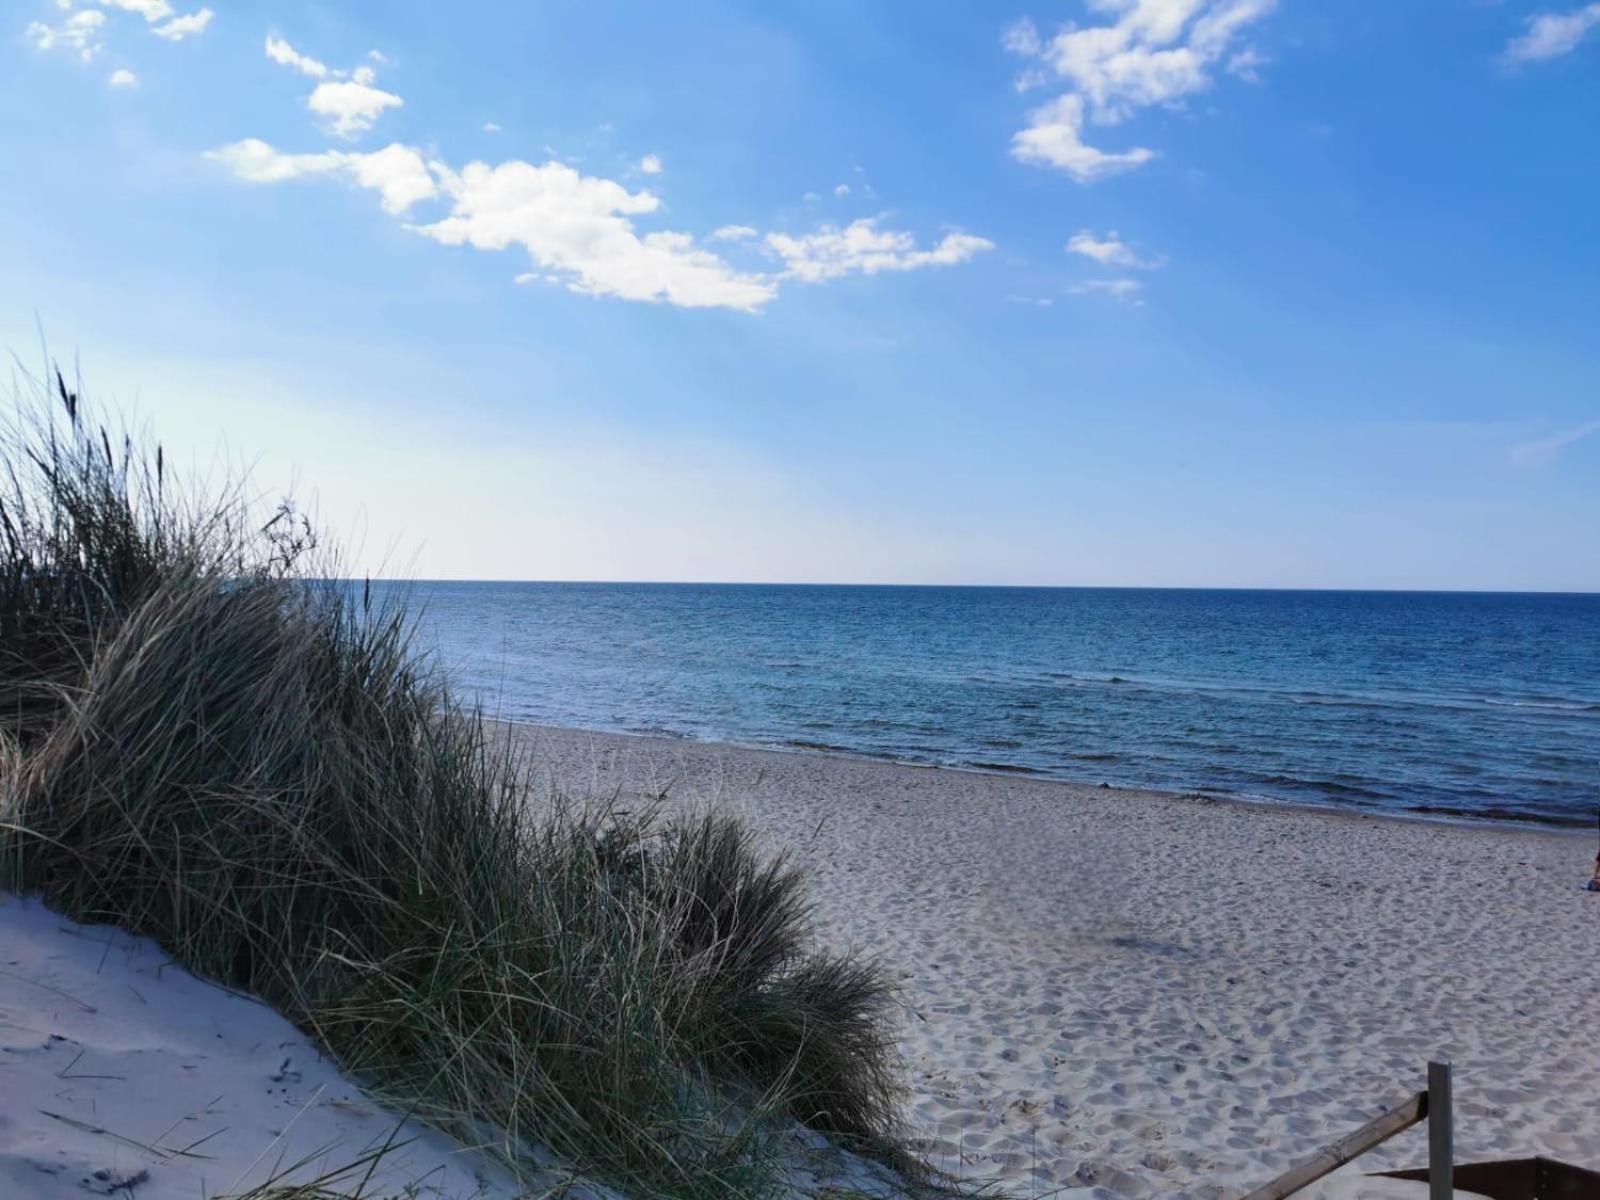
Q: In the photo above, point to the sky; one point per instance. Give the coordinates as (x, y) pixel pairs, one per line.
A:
(1097, 292)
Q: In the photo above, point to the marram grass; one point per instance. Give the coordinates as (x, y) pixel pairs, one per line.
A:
(205, 742)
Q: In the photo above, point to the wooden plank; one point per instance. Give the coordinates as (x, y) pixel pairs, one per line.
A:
(1441, 1134)
(1352, 1145)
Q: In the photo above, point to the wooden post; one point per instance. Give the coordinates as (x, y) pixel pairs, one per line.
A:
(1441, 1134)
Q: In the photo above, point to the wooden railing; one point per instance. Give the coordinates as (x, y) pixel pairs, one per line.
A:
(1432, 1106)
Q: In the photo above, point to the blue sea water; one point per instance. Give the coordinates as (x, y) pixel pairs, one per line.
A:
(1453, 703)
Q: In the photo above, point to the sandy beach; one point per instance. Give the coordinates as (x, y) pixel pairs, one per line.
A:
(1141, 994)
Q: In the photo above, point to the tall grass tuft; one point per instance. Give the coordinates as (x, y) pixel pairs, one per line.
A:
(207, 740)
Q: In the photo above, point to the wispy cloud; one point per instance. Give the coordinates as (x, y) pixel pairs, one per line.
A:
(1054, 138)
(650, 164)
(862, 248)
(151, 10)
(192, 25)
(351, 106)
(1123, 291)
(399, 174)
(1552, 34)
(80, 32)
(1109, 251)
(280, 51)
(122, 78)
(1543, 451)
(1154, 52)
(581, 228)
(346, 98)
(83, 30)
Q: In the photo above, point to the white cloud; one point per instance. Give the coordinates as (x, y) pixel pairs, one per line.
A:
(397, 173)
(78, 32)
(650, 164)
(379, 57)
(1543, 451)
(123, 78)
(842, 189)
(179, 28)
(1109, 251)
(861, 247)
(346, 98)
(257, 162)
(1054, 138)
(1022, 37)
(1124, 291)
(578, 226)
(1247, 64)
(351, 106)
(280, 51)
(1551, 35)
(151, 10)
(579, 230)
(1153, 52)
(490, 127)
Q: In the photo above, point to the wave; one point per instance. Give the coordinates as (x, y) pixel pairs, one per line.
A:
(1331, 698)
(1005, 768)
(1552, 705)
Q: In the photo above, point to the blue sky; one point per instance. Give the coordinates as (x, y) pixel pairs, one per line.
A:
(1166, 292)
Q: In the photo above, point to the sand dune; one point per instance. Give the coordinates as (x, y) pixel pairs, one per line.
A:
(1117, 994)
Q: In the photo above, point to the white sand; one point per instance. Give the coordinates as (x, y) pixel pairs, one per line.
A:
(1138, 994)
(122, 1075)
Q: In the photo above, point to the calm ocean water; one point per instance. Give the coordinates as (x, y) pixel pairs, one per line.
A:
(1471, 704)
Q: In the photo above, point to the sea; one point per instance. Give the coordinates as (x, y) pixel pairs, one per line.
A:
(1462, 705)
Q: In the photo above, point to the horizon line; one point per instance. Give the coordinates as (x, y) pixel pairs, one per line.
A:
(1056, 587)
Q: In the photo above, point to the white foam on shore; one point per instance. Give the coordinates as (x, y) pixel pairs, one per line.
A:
(1140, 995)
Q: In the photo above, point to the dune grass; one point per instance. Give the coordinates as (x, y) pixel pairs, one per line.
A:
(208, 741)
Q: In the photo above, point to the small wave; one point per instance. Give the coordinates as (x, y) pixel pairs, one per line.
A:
(1007, 768)
(1332, 787)
(1551, 705)
(1491, 812)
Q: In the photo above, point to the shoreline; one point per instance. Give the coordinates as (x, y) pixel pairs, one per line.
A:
(1195, 795)
(1148, 994)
